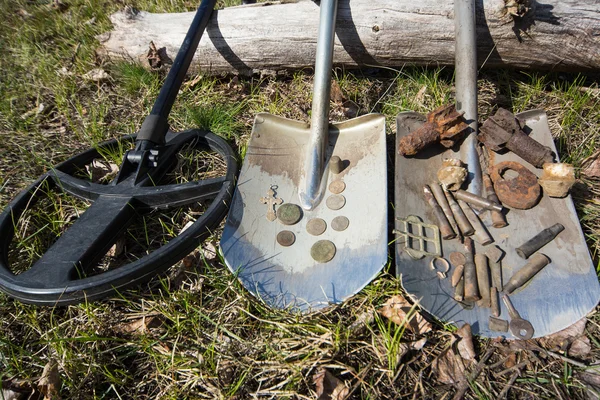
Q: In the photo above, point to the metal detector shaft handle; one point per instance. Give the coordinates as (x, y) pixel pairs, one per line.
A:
(155, 126)
(310, 194)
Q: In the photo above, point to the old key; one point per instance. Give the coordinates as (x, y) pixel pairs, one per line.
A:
(519, 327)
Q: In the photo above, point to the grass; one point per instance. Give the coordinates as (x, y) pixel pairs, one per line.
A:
(209, 338)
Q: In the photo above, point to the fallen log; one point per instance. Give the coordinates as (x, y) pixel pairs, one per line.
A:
(266, 37)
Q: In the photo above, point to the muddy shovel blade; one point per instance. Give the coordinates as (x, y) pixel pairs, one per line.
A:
(291, 270)
(565, 291)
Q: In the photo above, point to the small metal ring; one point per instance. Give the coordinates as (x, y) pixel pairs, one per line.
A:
(432, 265)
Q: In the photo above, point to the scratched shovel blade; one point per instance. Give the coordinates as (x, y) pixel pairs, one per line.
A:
(562, 293)
(288, 276)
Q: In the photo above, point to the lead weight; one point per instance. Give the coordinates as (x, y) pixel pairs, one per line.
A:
(336, 165)
(483, 279)
(537, 262)
(495, 302)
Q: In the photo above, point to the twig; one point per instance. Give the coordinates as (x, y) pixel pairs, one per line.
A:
(509, 384)
(565, 359)
(463, 386)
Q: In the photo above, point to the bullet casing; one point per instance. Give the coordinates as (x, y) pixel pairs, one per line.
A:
(478, 201)
(445, 228)
(495, 302)
(496, 270)
(461, 219)
(497, 324)
(498, 218)
(457, 274)
(539, 241)
(470, 273)
(438, 194)
(483, 279)
(537, 262)
(459, 290)
(481, 234)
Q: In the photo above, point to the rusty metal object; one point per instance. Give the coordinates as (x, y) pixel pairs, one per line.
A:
(457, 274)
(457, 258)
(444, 125)
(503, 130)
(440, 197)
(470, 273)
(557, 179)
(441, 266)
(481, 235)
(459, 290)
(537, 262)
(496, 270)
(521, 192)
(495, 304)
(445, 227)
(498, 218)
(478, 201)
(336, 165)
(519, 327)
(497, 324)
(461, 219)
(539, 241)
(494, 253)
(452, 174)
(483, 279)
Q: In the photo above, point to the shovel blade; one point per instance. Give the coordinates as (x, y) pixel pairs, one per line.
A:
(562, 293)
(288, 276)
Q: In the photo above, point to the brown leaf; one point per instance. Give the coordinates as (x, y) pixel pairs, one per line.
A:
(117, 249)
(209, 250)
(329, 387)
(421, 95)
(49, 384)
(591, 166)
(401, 312)
(448, 367)
(96, 75)
(465, 345)
(102, 170)
(157, 57)
(580, 348)
(336, 93)
(140, 325)
(592, 384)
(560, 340)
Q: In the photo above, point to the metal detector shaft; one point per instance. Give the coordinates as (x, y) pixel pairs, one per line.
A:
(311, 193)
(466, 83)
(155, 126)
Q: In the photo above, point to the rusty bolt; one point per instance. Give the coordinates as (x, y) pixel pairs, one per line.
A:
(444, 125)
(522, 192)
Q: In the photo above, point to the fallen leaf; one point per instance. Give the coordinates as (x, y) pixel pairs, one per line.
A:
(591, 166)
(117, 249)
(49, 384)
(364, 319)
(8, 394)
(209, 251)
(592, 383)
(101, 170)
(448, 367)
(401, 312)
(561, 340)
(140, 325)
(510, 361)
(465, 346)
(336, 92)
(329, 387)
(96, 75)
(157, 57)
(421, 94)
(580, 348)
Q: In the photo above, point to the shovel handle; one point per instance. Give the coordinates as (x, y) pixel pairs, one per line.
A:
(311, 193)
(155, 126)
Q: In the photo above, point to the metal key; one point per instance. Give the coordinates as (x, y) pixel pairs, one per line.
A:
(519, 327)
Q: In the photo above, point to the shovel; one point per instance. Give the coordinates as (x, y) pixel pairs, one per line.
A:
(307, 225)
(563, 292)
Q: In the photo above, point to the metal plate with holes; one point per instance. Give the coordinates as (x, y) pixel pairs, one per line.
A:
(416, 238)
(561, 294)
(289, 276)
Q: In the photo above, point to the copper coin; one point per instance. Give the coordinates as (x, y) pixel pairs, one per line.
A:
(457, 258)
(337, 187)
(335, 202)
(316, 226)
(289, 214)
(323, 251)
(286, 238)
(340, 223)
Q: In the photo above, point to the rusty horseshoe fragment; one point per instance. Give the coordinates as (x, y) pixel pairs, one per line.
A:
(521, 192)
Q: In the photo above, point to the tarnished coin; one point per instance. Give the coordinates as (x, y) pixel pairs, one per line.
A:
(335, 202)
(316, 226)
(286, 238)
(457, 258)
(323, 251)
(337, 187)
(289, 214)
(340, 223)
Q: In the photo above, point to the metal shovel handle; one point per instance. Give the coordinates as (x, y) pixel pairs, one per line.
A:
(311, 193)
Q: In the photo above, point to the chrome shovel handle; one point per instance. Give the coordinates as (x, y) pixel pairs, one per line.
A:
(311, 190)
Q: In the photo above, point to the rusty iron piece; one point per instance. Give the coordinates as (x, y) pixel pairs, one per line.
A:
(459, 290)
(340, 223)
(537, 262)
(316, 226)
(323, 251)
(497, 324)
(457, 275)
(470, 273)
(494, 253)
(286, 238)
(271, 202)
(336, 165)
(483, 280)
(452, 174)
(457, 258)
(496, 269)
(461, 219)
(444, 125)
(557, 179)
(445, 227)
(503, 130)
(289, 214)
(478, 201)
(335, 202)
(498, 218)
(416, 242)
(539, 241)
(440, 265)
(337, 187)
(495, 304)
(522, 192)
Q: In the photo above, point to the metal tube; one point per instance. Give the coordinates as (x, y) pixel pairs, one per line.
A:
(483, 279)
(498, 218)
(459, 290)
(519, 278)
(495, 304)
(496, 268)
(311, 193)
(470, 273)
(466, 83)
(481, 234)
(461, 219)
(539, 241)
(477, 200)
(438, 193)
(444, 225)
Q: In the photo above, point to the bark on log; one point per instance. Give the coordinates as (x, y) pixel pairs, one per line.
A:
(555, 35)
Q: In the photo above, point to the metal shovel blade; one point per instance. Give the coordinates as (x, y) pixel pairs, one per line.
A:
(565, 291)
(284, 272)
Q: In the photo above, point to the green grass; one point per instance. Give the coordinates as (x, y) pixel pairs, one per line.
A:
(214, 339)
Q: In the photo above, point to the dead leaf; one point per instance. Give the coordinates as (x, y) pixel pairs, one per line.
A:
(465, 346)
(561, 340)
(140, 325)
(421, 94)
(580, 348)
(157, 57)
(329, 387)
(448, 367)
(364, 319)
(101, 170)
(401, 312)
(591, 166)
(592, 383)
(8, 394)
(336, 93)
(96, 75)
(209, 250)
(511, 360)
(117, 249)
(49, 384)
